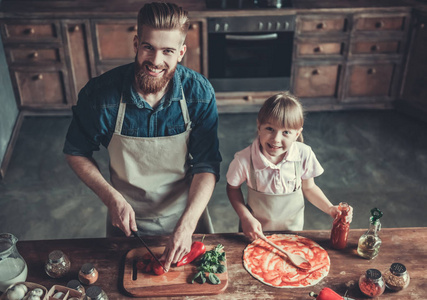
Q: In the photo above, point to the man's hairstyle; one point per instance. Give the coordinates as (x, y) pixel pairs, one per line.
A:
(165, 16)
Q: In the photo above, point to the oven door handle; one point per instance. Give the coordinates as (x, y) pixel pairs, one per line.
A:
(258, 37)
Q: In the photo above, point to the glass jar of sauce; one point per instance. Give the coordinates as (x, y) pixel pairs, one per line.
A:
(340, 228)
(372, 283)
(57, 264)
(397, 277)
(88, 274)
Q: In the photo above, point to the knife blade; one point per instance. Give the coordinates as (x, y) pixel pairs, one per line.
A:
(149, 250)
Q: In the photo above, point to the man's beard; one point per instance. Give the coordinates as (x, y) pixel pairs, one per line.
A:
(148, 84)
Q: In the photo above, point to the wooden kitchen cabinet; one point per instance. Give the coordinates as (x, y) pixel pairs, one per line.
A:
(51, 59)
(320, 49)
(37, 63)
(378, 41)
(346, 54)
(79, 58)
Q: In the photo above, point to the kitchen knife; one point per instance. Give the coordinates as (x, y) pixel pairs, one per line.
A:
(149, 250)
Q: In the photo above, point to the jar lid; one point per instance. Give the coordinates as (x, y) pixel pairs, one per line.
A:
(373, 274)
(397, 269)
(56, 256)
(87, 268)
(93, 292)
(74, 284)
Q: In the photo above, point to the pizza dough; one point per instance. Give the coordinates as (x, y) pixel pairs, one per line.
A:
(273, 268)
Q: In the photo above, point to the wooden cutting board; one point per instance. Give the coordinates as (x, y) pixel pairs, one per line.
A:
(176, 282)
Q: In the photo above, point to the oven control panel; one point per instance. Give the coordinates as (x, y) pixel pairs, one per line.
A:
(251, 24)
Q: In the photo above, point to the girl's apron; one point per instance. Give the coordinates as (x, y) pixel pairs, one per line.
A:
(152, 175)
(277, 212)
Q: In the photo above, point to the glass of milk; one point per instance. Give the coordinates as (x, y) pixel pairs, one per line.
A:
(13, 268)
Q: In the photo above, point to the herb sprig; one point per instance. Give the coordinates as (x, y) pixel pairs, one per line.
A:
(211, 263)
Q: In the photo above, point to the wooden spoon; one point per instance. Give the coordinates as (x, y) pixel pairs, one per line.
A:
(297, 260)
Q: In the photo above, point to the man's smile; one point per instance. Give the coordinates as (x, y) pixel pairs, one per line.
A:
(155, 72)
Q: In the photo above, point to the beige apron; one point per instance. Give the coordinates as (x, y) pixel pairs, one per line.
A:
(277, 212)
(152, 175)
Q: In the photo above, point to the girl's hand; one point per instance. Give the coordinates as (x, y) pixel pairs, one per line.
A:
(252, 228)
(334, 212)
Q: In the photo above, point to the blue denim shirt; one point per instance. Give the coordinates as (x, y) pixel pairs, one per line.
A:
(94, 116)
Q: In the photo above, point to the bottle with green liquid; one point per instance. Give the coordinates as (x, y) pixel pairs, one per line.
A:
(370, 243)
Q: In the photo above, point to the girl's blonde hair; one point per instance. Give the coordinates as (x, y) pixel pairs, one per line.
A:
(284, 110)
(164, 16)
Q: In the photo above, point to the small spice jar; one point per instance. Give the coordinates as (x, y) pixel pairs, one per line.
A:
(397, 277)
(88, 274)
(57, 264)
(372, 283)
(76, 285)
(96, 293)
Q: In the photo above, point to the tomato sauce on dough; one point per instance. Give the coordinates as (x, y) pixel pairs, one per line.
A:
(272, 267)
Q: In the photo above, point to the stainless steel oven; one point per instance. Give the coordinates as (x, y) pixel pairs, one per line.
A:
(251, 53)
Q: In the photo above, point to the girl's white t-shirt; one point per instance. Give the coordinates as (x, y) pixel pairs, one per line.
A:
(271, 178)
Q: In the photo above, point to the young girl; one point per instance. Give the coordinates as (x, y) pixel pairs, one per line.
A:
(279, 171)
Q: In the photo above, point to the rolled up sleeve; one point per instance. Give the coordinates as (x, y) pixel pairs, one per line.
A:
(83, 136)
(204, 144)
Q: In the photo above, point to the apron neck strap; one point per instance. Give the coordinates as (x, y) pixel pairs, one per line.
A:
(297, 166)
(120, 116)
(252, 173)
(184, 110)
(122, 110)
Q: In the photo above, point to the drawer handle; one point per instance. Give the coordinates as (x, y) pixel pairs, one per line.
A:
(422, 25)
(315, 72)
(133, 28)
(317, 49)
(29, 31)
(371, 71)
(321, 25)
(34, 55)
(193, 27)
(38, 77)
(75, 28)
(379, 24)
(375, 48)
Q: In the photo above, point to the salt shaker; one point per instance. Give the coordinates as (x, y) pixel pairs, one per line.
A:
(397, 277)
(57, 264)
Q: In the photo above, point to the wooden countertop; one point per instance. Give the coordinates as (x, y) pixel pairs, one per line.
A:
(405, 245)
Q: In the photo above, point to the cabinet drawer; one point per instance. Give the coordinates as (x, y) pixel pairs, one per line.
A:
(371, 80)
(325, 24)
(34, 55)
(368, 47)
(31, 32)
(319, 49)
(115, 40)
(380, 23)
(317, 81)
(40, 88)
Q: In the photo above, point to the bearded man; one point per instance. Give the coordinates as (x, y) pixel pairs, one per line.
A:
(159, 122)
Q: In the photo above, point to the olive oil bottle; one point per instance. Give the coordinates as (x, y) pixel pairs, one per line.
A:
(370, 243)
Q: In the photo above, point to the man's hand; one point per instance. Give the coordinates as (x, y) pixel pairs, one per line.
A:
(122, 215)
(178, 245)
